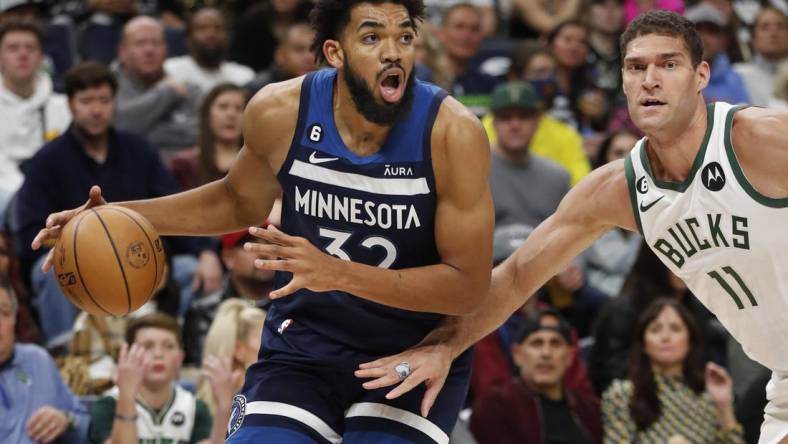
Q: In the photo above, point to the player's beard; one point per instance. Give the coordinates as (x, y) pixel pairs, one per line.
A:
(384, 114)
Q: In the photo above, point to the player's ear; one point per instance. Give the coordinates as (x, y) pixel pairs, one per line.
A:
(334, 54)
(702, 75)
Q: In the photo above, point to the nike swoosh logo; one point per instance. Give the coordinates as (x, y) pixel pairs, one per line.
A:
(314, 159)
(644, 208)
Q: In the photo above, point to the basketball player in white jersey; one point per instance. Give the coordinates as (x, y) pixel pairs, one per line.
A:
(707, 188)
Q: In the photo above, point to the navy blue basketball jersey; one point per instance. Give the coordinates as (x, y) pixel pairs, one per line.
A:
(377, 210)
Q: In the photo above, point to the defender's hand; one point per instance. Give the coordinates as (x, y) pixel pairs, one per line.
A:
(311, 268)
(428, 364)
(56, 221)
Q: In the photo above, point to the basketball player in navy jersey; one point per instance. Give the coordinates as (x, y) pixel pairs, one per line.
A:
(386, 228)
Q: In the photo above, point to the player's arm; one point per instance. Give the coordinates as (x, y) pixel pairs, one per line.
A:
(244, 197)
(463, 235)
(598, 203)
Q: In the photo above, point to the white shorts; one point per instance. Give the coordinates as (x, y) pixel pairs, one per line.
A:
(775, 417)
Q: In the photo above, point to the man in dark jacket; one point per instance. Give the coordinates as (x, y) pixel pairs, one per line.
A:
(537, 407)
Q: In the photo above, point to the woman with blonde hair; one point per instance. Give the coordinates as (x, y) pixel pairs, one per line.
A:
(231, 346)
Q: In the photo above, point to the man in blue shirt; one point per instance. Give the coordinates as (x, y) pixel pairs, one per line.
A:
(35, 404)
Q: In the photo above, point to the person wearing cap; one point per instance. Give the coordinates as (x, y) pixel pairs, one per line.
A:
(725, 84)
(537, 404)
(526, 188)
(242, 280)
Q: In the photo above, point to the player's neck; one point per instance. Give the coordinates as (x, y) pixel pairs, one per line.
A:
(361, 136)
(672, 151)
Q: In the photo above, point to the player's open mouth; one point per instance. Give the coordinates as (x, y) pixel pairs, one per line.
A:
(651, 102)
(392, 85)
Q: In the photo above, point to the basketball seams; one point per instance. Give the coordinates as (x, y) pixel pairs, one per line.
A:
(150, 242)
(117, 256)
(76, 264)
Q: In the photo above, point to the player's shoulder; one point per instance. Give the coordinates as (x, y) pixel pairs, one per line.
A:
(453, 123)
(602, 198)
(759, 127)
(276, 98)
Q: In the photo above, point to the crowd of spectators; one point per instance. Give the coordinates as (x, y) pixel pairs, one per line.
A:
(145, 98)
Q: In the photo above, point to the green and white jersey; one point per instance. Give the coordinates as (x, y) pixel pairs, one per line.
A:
(172, 424)
(723, 238)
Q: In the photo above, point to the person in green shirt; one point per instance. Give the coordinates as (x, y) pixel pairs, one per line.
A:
(147, 406)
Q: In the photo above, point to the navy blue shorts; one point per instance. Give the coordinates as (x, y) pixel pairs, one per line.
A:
(291, 402)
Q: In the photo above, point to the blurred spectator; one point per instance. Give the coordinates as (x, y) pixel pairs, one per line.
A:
(780, 100)
(554, 139)
(579, 102)
(242, 281)
(526, 188)
(535, 406)
(633, 8)
(205, 66)
(231, 347)
(26, 10)
(292, 58)
(90, 153)
(32, 114)
(461, 36)
(770, 44)
(90, 364)
(493, 363)
(220, 138)
(576, 300)
(615, 325)
(532, 19)
(609, 260)
(725, 84)
(35, 404)
(434, 11)
(605, 20)
(615, 146)
(147, 404)
(262, 27)
(666, 395)
(148, 102)
(432, 63)
(26, 327)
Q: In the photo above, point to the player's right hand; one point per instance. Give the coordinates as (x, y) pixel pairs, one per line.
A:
(56, 221)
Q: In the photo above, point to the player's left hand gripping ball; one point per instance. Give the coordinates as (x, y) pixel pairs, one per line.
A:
(311, 268)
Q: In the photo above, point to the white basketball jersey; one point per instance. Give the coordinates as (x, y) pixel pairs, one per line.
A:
(173, 424)
(723, 238)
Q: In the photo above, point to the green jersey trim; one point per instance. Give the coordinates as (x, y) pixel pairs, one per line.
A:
(696, 164)
(739, 173)
(158, 415)
(631, 180)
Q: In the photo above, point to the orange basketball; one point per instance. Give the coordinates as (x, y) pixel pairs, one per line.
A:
(109, 260)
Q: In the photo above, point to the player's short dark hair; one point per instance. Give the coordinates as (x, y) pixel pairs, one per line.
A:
(665, 23)
(88, 75)
(160, 321)
(20, 25)
(329, 18)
